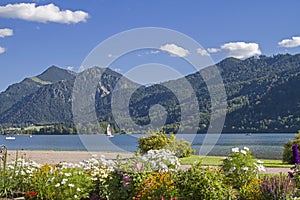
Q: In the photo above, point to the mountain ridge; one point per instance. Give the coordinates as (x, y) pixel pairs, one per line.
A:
(251, 86)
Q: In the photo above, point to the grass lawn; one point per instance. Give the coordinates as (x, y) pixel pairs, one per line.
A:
(36, 127)
(217, 160)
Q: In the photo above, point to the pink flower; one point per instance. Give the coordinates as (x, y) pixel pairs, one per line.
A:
(138, 166)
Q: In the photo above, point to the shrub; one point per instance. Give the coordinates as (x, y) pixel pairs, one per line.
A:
(181, 148)
(240, 167)
(144, 176)
(14, 176)
(251, 191)
(287, 155)
(52, 182)
(160, 140)
(279, 187)
(156, 185)
(202, 183)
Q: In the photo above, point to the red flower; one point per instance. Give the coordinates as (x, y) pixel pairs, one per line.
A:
(30, 195)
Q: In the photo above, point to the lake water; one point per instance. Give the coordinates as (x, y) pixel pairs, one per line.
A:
(261, 145)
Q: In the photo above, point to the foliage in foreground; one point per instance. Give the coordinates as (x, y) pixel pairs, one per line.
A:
(203, 183)
(287, 155)
(240, 168)
(160, 140)
(154, 175)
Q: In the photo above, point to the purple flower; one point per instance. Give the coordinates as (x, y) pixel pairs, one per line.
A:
(296, 158)
(291, 175)
(138, 166)
(126, 178)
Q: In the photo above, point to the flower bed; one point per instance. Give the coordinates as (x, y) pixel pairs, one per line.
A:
(154, 175)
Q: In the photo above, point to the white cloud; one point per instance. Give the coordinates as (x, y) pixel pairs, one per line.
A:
(154, 52)
(238, 49)
(6, 32)
(289, 43)
(70, 68)
(2, 50)
(150, 52)
(213, 50)
(44, 13)
(202, 52)
(118, 70)
(174, 50)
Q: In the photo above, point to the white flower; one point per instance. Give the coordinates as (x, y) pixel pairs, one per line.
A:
(68, 174)
(71, 185)
(78, 190)
(57, 185)
(232, 169)
(260, 162)
(75, 196)
(246, 148)
(64, 181)
(234, 150)
(260, 168)
(245, 168)
(243, 152)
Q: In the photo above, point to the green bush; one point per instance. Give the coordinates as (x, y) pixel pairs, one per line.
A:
(154, 141)
(240, 168)
(287, 151)
(160, 140)
(202, 183)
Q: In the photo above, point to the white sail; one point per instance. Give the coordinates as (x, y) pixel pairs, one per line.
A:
(108, 131)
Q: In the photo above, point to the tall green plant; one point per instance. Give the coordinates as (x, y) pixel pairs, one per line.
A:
(240, 167)
(160, 140)
(287, 155)
(202, 183)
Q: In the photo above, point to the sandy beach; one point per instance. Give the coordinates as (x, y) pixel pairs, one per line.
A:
(54, 157)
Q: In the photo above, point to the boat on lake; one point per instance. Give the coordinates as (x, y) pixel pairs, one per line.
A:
(10, 138)
(108, 131)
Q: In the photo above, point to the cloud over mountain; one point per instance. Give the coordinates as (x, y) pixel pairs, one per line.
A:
(238, 49)
(202, 52)
(44, 13)
(174, 50)
(2, 50)
(290, 43)
(6, 32)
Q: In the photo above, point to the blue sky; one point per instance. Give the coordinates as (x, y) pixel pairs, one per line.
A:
(31, 43)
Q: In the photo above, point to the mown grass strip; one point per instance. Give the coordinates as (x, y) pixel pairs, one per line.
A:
(217, 161)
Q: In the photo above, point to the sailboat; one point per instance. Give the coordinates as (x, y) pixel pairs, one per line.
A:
(108, 131)
(10, 138)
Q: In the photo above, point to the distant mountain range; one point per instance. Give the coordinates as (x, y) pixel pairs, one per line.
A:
(263, 95)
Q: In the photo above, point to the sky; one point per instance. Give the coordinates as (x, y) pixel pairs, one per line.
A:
(36, 34)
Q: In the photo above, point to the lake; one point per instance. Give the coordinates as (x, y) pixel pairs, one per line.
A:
(262, 145)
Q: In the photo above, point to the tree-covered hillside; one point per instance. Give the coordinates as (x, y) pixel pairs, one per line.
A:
(262, 96)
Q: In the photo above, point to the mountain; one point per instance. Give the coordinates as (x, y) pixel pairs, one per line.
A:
(50, 102)
(16, 92)
(262, 96)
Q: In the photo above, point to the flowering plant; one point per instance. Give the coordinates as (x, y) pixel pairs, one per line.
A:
(240, 167)
(278, 187)
(133, 177)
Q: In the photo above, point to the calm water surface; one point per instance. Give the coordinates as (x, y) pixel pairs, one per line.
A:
(262, 145)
